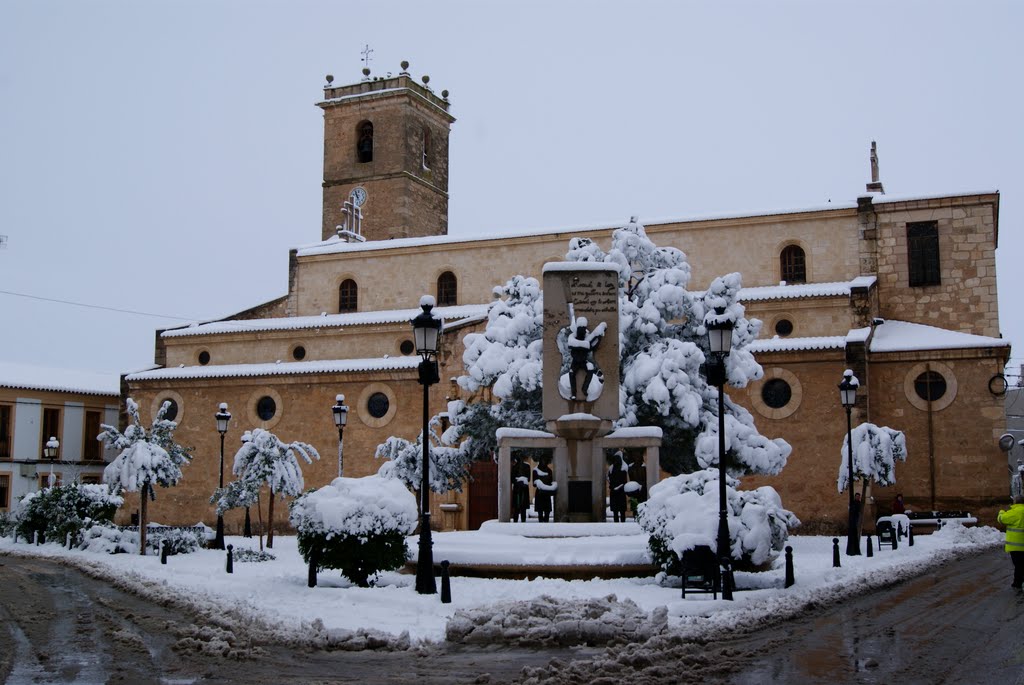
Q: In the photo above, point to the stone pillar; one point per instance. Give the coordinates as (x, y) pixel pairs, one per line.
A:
(505, 482)
(562, 476)
(652, 462)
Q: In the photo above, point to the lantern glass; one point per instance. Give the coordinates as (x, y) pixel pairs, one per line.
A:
(847, 392)
(340, 415)
(426, 330)
(223, 417)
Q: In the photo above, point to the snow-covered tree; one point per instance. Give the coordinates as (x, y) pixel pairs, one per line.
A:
(449, 465)
(875, 453)
(663, 344)
(146, 459)
(682, 513)
(264, 459)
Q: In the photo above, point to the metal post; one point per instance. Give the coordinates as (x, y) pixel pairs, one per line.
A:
(790, 576)
(835, 553)
(852, 534)
(218, 541)
(230, 566)
(724, 553)
(341, 459)
(425, 584)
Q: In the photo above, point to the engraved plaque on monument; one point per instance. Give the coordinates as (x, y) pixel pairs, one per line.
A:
(581, 340)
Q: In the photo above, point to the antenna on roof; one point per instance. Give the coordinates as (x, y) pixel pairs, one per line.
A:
(875, 186)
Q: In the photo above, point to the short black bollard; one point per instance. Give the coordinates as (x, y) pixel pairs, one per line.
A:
(790, 579)
(938, 524)
(163, 551)
(910, 535)
(871, 546)
(835, 553)
(446, 584)
(231, 560)
(311, 578)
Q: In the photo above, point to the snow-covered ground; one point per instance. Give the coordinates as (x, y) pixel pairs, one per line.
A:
(272, 598)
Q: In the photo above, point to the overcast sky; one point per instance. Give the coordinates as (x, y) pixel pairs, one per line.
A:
(163, 157)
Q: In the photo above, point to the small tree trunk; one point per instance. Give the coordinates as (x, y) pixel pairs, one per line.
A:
(270, 521)
(259, 517)
(143, 503)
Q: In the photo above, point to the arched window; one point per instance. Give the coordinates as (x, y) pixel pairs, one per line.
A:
(364, 142)
(794, 264)
(447, 289)
(348, 296)
(426, 148)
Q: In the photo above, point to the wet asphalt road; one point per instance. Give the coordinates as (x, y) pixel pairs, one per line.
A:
(960, 624)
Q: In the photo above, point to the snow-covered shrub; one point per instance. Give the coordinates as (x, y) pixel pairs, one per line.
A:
(682, 513)
(7, 524)
(179, 540)
(449, 466)
(251, 555)
(105, 538)
(62, 509)
(355, 525)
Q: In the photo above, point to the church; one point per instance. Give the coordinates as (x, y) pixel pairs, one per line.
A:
(902, 290)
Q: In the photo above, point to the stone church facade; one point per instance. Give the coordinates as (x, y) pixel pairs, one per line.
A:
(902, 291)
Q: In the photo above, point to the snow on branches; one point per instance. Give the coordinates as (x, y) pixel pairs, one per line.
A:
(663, 344)
(146, 459)
(875, 453)
(449, 465)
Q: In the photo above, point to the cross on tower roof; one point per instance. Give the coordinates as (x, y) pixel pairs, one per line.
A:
(366, 55)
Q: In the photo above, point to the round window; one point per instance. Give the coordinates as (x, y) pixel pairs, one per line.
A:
(407, 347)
(299, 353)
(266, 407)
(204, 358)
(378, 405)
(783, 327)
(930, 386)
(172, 409)
(776, 393)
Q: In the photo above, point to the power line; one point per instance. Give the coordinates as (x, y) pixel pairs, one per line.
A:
(96, 306)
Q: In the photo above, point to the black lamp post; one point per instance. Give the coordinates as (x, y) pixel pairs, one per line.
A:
(848, 398)
(223, 417)
(340, 412)
(427, 333)
(719, 343)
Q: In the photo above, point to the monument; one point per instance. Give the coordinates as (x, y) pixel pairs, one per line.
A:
(581, 396)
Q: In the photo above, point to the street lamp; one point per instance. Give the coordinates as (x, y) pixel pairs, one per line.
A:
(50, 450)
(223, 417)
(340, 412)
(426, 330)
(848, 398)
(719, 343)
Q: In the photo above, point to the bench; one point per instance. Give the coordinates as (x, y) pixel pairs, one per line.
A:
(933, 518)
(700, 571)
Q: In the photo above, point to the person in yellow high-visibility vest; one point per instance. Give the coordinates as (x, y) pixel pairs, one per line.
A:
(1014, 522)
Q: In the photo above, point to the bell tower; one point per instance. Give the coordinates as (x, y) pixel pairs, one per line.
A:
(386, 151)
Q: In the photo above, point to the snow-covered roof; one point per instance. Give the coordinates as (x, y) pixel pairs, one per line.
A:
(888, 199)
(833, 342)
(580, 266)
(903, 336)
(335, 245)
(59, 380)
(277, 369)
(286, 323)
(785, 292)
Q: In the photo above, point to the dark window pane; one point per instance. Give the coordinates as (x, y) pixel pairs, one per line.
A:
(794, 264)
(5, 432)
(378, 405)
(447, 285)
(172, 409)
(204, 358)
(348, 296)
(364, 142)
(407, 347)
(91, 446)
(266, 408)
(783, 327)
(930, 386)
(299, 353)
(923, 253)
(776, 393)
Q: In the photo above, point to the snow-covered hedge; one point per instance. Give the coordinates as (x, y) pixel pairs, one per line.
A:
(356, 525)
(106, 538)
(682, 513)
(56, 511)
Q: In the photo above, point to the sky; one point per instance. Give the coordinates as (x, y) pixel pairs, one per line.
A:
(158, 160)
